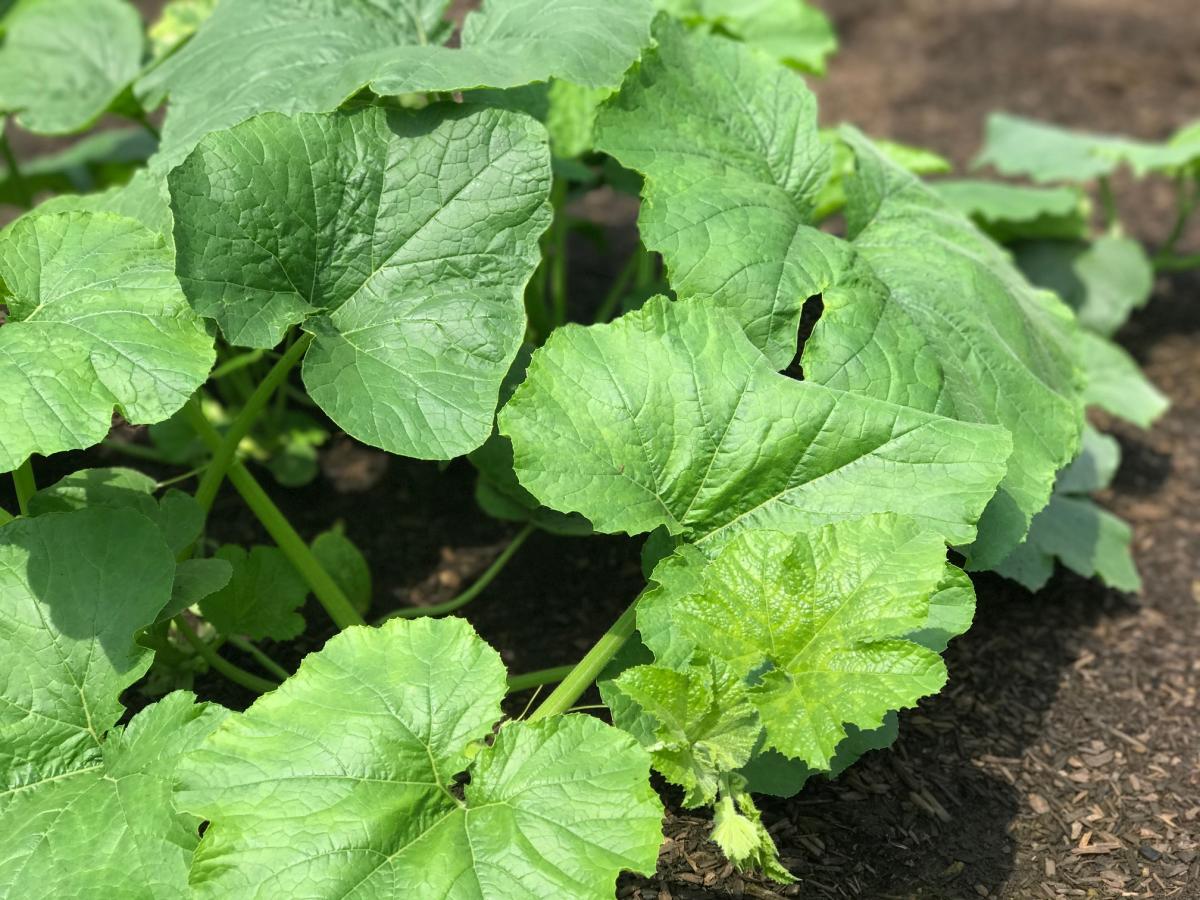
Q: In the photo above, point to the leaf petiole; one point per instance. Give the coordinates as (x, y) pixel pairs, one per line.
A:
(538, 678)
(25, 484)
(441, 609)
(260, 656)
(236, 674)
(324, 588)
(588, 669)
(14, 171)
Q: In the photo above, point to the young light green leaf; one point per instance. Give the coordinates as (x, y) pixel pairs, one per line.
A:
(109, 828)
(178, 516)
(261, 598)
(702, 723)
(1117, 385)
(792, 32)
(177, 22)
(96, 320)
(1009, 357)
(402, 241)
(64, 62)
(739, 832)
(1008, 212)
(343, 781)
(1103, 281)
(295, 56)
(1180, 151)
(669, 416)
(825, 612)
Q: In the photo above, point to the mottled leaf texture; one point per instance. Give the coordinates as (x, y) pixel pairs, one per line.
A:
(262, 598)
(1008, 352)
(295, 56)
(96, 320)
(401, 240)
(64, 62)
(822, 616)
(669, 416)
(85, 807)
(343, 783)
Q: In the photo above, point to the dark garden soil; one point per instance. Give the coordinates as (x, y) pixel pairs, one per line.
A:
(1063, 760)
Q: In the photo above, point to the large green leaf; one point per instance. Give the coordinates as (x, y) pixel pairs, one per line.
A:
(64, 62)
(1008, 352)
(143, 197)
(1102, 280)
(402, 241)
(311, 55)
(85, 808)
(96, 321)
(343, 782)
(670, 417)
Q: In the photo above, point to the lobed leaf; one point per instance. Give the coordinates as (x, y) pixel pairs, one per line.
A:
(85, 807)
(262, 596)
(96, 320)
(344, 781)
(1117, 384)
(294, 56)
(401, 241)
(670, 417)
(63, 63)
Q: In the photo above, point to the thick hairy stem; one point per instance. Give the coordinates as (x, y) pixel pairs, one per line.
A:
(25, 485)
(236, 674)
(449, 606)
(226, 450)
(588, 669)
(324, 588)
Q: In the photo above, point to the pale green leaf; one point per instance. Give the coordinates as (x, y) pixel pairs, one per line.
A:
(402, 241)
(823, 615)
(343, 781)
(1008, 352)
(143, 197)
(1015, 145)
(668, 416)
(792, 32)
(96, 321)
(176, 23)
(739, 832)
(1117, 385)
(1103, 281)
(64, 62)
(262, 597)
(1009, 212)
(702, 723)
(1180, 151)
(1093, 469)
(295, 56)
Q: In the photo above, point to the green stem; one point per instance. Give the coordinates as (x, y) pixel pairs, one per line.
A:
(647, 270)
(225, 452)
(1185, 204)
(1172, 263)
(234, 363)
(260, 657)
(536, 679)
(324, 588)
(558, 251)
(620, 286)
(588, 669)
(236, 674)
(25, 484)
(137, 451)
(449, 606)
(5, 516)
(14, 171)
(1108, 203)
